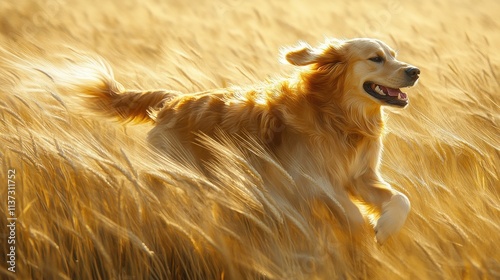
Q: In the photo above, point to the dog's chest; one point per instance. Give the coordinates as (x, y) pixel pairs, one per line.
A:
(348, 157)
(366, 155)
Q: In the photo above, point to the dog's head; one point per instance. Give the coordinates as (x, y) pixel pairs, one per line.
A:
(355, 71)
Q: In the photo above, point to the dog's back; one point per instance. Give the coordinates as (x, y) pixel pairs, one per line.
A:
(234, 110)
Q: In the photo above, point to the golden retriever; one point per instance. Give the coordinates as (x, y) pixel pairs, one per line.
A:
(327, 115)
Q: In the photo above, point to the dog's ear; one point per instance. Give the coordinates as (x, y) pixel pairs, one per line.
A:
(301, 55)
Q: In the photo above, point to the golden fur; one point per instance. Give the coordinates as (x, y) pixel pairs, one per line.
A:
(322, 115)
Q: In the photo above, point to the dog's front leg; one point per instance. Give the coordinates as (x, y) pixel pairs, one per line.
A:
(393, 206)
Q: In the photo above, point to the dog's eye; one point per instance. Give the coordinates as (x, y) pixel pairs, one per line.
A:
(377, 59)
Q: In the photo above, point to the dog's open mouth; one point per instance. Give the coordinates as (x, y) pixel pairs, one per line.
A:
(391, 96)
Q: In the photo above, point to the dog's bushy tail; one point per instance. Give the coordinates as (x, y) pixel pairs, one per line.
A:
(95, 83)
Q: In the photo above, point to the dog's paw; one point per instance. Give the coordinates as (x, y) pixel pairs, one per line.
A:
(394, 213)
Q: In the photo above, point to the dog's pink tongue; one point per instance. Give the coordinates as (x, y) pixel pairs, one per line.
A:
(393, 91)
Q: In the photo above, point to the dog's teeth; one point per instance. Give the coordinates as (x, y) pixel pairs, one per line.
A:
(399, 96)
(379, 90)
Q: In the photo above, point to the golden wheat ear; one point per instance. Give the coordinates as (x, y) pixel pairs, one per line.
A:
(301, 55)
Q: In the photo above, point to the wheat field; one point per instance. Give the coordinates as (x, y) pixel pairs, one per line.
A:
(93, 202)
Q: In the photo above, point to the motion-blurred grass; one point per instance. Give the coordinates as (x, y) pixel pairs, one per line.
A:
(93, 203)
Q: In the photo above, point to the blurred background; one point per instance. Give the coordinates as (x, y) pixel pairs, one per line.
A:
(443, 151)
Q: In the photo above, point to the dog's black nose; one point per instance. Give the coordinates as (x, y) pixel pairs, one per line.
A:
(412, 72)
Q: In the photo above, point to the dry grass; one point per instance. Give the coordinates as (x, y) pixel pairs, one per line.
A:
(92, 203)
